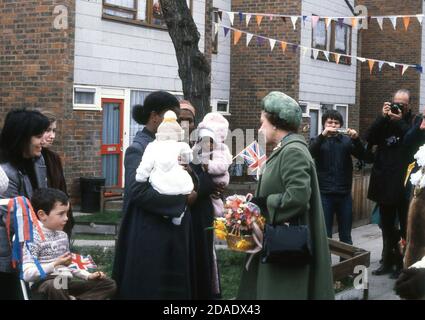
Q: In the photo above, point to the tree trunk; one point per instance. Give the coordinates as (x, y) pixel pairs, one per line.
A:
(194, 69)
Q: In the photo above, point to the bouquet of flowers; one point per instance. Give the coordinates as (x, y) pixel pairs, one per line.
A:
(241, 222)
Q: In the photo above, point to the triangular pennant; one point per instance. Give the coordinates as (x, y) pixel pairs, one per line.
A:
(259, 19)
(220, 15)
(315, 53)
(371, 64)
(391, 64)
(337, 57)
(361, 59)
(341, 22)
(419, 68)
(405, 67)
(328, 22)
(420, 17)
(260, 41)
(394, 21)
(314, 20)
(216, 27)
(272, 43)
(294, 48)
(381, 64)
(304, 51)
(226, 31)
(283, 19)
(406, 22)
(326, 53)
(231, 16)
(270, 17)
(380, 21)
(294, 20)
(236, 36)
(369, 19)
(240, 16)
(248, 38)
(304, 20)
(247, 18)
(354, 22)
(283, 45)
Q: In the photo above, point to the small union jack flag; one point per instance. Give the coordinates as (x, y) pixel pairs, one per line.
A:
(82, 262)
(253, 155)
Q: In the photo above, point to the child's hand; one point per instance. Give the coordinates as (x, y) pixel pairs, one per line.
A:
(63, 260)
(97, 275)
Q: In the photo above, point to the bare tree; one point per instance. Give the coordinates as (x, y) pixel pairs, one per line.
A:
(194, 68)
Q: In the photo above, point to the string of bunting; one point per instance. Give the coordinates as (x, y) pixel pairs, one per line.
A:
(237, 34)
(315, 19)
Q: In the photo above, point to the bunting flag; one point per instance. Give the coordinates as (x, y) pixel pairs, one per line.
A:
(394, 22)
(231, 16)
(341, 22)
(247, 19)
(272, 43)
(294, 22)
(226, 31)
(315, 51)
(236, 36)
(371, 64)
(354, 20)
(380, 22)
(406, 22)
(259, 18)
(248, 38)
(314, 20)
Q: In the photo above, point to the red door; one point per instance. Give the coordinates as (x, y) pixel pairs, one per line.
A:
(112, 141)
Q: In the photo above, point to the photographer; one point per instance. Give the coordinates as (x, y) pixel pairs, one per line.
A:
(332, 151)
(386, 185)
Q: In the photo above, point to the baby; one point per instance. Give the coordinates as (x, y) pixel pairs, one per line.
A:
(160, 162)
(213, 153)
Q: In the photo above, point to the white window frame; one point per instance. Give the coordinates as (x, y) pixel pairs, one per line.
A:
(346, 112)
(87, 107)
(214, 104)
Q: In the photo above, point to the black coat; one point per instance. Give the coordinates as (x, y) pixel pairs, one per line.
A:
(390, 161)
(414, 138)
(202, 213)
(153, 258)
(334, 163)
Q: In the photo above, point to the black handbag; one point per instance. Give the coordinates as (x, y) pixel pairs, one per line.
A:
(287, 245)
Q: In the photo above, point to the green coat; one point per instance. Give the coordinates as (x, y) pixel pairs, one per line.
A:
(289, 182)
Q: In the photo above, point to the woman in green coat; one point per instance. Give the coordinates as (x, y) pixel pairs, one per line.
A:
(288, 191)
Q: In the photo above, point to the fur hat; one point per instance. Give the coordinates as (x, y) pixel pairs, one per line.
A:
(169, 129)
(215, 126)
(283, 106)
(4, 181)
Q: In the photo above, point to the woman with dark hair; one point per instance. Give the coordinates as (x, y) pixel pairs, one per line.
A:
(288, 192)
(21, 159)
(55, 176)
(153, 259)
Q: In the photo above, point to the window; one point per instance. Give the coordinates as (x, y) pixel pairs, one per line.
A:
(336, 38)
(221, 106)
(142, 12)
(343, 109)
(85, 98)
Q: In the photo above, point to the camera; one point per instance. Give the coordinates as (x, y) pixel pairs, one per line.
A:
(342, 131)
(396, 108)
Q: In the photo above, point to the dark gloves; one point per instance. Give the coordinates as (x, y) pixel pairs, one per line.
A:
(411, 284)
(261, 202)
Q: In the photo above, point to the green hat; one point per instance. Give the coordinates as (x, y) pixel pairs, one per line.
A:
(283, 106)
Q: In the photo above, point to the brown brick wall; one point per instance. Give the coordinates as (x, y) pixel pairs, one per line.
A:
(390, 45)
(255, 71)
(36, 70)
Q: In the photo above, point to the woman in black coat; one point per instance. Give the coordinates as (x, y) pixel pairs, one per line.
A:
(153, 258)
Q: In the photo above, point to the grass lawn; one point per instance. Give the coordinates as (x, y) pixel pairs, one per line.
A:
(82, 236)
(101, 217)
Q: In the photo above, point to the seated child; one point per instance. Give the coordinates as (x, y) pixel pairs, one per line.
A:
(51, 207)
(213, 153)
(161, 161)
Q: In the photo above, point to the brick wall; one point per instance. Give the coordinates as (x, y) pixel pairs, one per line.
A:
(390, 45)
(36, 70)
(255, 71)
